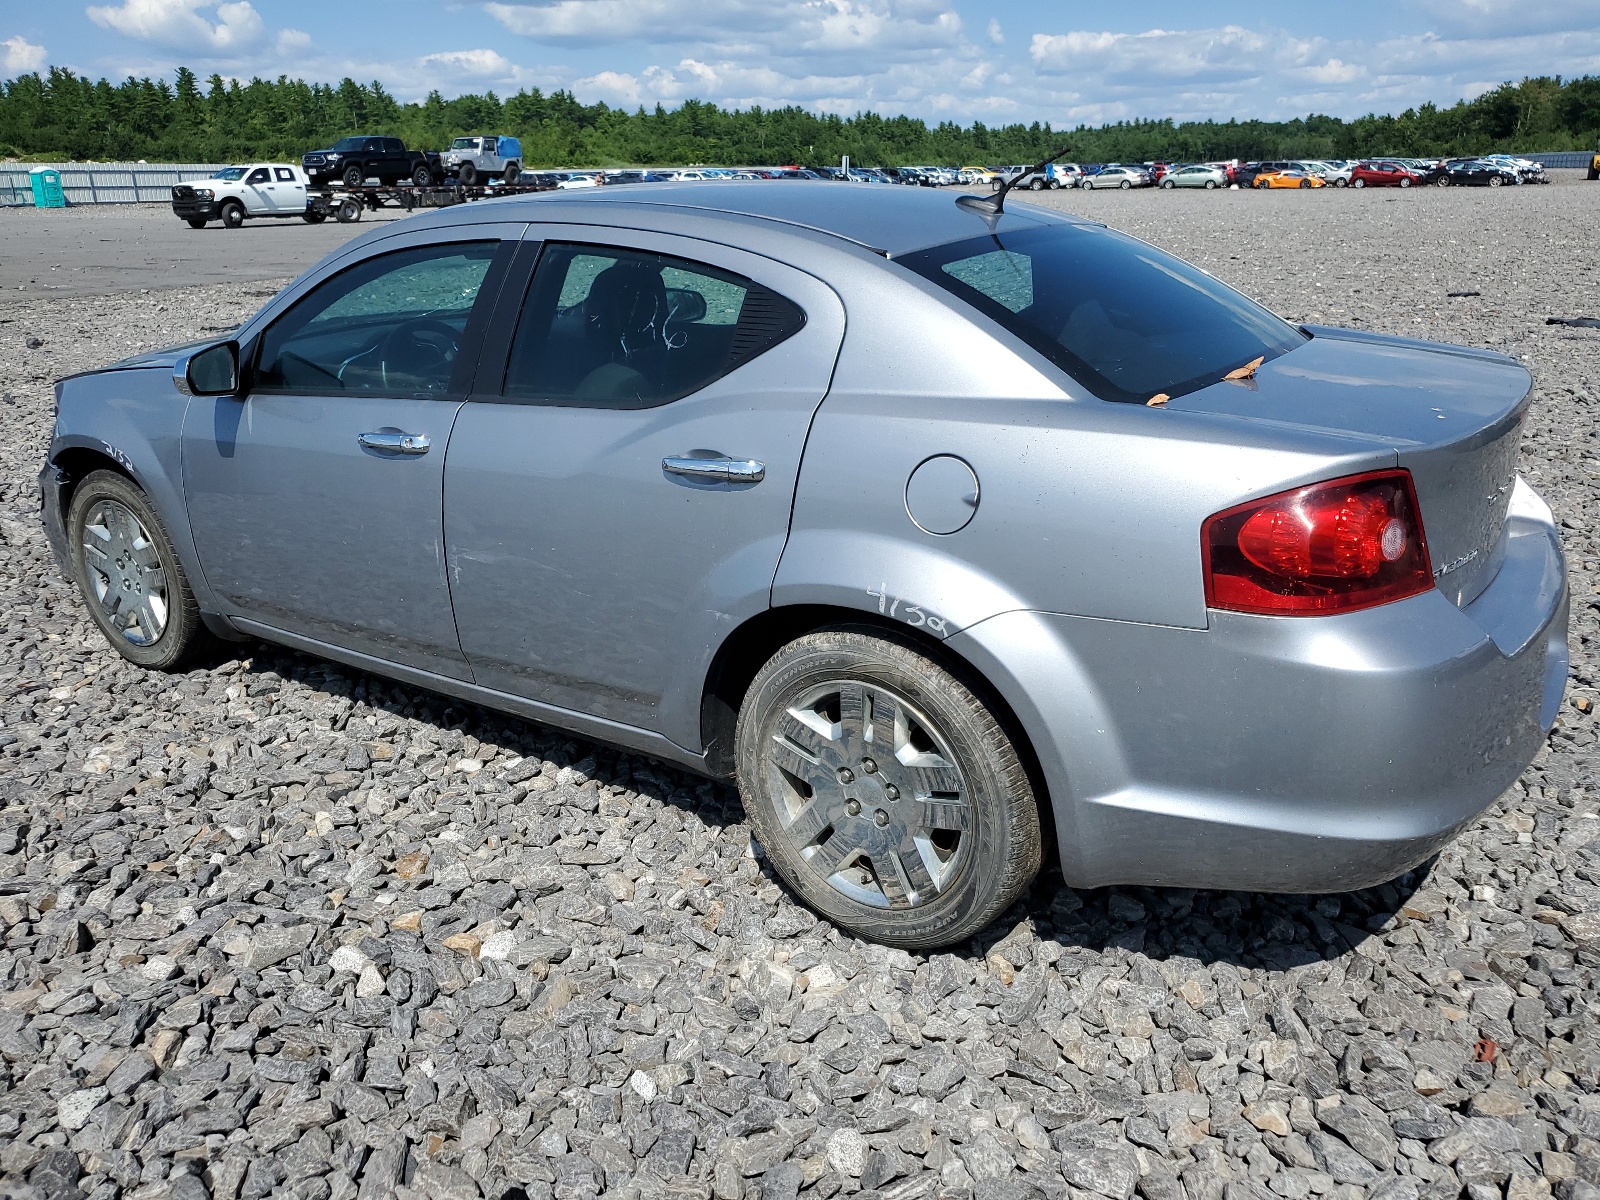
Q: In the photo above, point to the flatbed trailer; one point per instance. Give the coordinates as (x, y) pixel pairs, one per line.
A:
(347, 204)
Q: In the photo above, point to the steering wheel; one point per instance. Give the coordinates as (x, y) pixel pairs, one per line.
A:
(423, 347)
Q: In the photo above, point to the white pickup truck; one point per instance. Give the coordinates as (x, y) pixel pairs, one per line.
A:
(234, 193)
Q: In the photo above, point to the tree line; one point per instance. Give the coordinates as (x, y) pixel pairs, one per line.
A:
(63, 116)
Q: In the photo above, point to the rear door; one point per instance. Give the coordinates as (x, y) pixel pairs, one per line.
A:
(315, 496)
(289, 190)
(620, 483)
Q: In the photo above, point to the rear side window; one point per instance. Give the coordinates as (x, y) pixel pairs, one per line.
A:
(605, 327)
(284, 175)
(1127, 321)
(393, 324)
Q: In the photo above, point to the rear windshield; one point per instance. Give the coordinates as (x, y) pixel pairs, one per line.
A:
(1127, 321)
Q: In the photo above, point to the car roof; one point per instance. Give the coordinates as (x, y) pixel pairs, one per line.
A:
(893, 221)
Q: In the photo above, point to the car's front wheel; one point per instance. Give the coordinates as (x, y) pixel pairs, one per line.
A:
(884, 790)
(1360, 183)
(232, 215)
(1405, 183)
(1168, 184)
(354, 176)
(130, 576)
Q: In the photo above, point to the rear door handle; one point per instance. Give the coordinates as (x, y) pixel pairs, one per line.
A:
(396, 442)
(716, 470)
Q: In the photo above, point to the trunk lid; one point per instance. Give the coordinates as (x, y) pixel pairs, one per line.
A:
(1452, 415)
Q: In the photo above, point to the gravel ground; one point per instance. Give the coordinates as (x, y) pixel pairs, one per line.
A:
(275, 927)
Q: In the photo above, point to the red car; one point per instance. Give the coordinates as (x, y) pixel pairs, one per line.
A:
(1381, 173)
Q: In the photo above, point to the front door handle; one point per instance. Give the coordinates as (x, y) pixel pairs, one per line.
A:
(396, 442)
(716, 470)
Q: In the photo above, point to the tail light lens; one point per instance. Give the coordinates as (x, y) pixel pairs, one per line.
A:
(1331, 547)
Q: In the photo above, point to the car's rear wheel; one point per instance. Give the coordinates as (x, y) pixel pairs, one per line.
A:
(513, 172)
(422, 176)
(354, 176)
(312, 217)
(1341, 183)
(232, 215)
(349, 211)
(196, 222)
(129, 574)
(884, 790)
(1211, 185)
(1126, 184)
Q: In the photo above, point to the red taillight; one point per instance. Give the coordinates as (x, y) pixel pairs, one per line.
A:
(1331, 547)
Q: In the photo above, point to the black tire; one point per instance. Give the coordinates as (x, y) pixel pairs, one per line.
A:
(354, 175)
(232, 214)
(348, 212)
(422, 176)
(196, 222)
(116, 565)
(1037, 185)
(982, 835)
(1444, 181)
(513, 172)
(1341, 183)
(312, 217)
(1305, 183)
(468, 174)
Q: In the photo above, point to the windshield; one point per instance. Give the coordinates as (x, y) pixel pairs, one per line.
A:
(1124, 319)
(231, 173)
(349, 143)
(464, 144)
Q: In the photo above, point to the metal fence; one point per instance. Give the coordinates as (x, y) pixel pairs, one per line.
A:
(1568, 159)
(103, 183)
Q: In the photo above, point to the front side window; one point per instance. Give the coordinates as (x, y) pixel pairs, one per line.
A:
(1127, 321)
(392, 324)
(628, 329)
(260, 175)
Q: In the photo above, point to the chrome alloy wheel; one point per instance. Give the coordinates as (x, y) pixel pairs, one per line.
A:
(125, 571)
(869, 794)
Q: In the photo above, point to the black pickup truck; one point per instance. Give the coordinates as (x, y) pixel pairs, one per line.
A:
(353, 160)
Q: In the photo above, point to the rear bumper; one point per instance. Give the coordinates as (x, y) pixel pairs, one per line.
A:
(1288, 754)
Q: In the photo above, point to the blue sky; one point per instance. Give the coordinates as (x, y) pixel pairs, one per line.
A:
(1008, 60)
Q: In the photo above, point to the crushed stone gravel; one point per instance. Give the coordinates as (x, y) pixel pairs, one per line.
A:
(277, 928)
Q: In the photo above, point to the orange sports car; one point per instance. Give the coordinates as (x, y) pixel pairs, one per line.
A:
(1288, 179)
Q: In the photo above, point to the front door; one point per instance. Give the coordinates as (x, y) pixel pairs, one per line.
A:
(257, 192)
(620, 485)
(314, 497)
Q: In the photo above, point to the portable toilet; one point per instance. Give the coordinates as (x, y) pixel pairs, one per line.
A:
(47, 191)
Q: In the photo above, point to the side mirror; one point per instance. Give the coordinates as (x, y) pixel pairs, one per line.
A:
(213, 371)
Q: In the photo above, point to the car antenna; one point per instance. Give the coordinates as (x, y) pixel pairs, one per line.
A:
(996, 203)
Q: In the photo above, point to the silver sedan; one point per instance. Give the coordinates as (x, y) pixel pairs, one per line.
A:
(949, 534)
(1201, 175)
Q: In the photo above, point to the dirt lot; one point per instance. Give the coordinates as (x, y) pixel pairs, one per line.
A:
(276, 927)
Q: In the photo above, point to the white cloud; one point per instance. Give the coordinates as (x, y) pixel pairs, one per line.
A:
(996, 34)
(489, 64)
(1517, 17)
(291, 41)
(22, 56)
(179, 24)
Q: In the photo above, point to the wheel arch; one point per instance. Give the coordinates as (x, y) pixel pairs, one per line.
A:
(748, 647)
